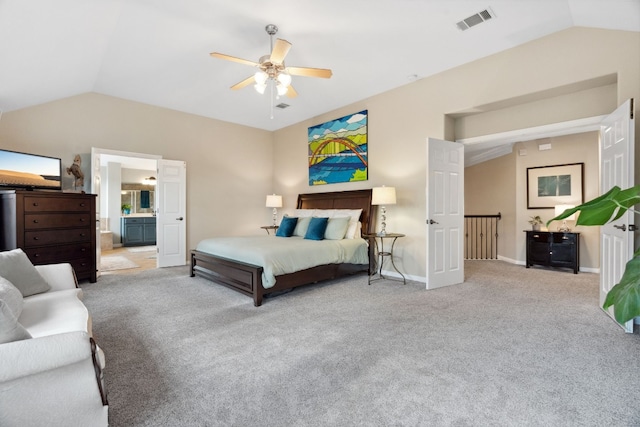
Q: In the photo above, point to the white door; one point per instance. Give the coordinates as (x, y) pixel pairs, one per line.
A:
(445, 213)
(616, 168)
(171, 220)
(95, 189)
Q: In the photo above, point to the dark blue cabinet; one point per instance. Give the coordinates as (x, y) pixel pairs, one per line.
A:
(138, 231)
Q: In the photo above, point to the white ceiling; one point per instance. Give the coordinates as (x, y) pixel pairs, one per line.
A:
(157, 51)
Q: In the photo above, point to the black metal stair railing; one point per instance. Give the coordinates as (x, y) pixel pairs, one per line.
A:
(481, 236)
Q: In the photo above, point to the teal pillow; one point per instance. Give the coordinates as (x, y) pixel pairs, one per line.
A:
(336, 228)
(287, 225)
(316, 229)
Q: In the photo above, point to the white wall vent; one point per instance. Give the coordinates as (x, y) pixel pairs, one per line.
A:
(282, 105)
(475, 19)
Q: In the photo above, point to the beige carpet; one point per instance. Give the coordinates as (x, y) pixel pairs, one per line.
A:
(116, 262)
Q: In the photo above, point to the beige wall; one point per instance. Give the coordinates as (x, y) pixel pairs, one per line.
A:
(500, 185)
(489, 188)
(401, 120)
(230, 167)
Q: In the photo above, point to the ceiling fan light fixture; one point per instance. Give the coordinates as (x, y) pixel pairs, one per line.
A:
(260, 88)
(261, 77)
(284, 79)
(282, 89)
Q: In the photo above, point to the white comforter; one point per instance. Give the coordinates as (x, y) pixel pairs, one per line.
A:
(282, 255)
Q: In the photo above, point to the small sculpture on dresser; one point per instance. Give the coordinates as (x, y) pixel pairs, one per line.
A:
(76, 171)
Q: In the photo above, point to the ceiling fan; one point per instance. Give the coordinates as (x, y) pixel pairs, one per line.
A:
(271, 68)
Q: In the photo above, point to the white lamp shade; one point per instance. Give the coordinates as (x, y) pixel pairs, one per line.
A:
(260, 77)
(383, 196)
(559, 209)
(274, 201)
(284, 79)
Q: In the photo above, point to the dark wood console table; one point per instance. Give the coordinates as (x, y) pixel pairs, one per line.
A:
(553, 249)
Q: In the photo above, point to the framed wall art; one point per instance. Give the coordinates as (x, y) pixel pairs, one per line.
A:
(548, 186)
(337, 150)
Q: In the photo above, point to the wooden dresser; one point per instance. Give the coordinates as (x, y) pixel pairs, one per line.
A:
(51, 227)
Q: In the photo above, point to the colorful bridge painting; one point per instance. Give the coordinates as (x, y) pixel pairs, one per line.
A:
(338, 150)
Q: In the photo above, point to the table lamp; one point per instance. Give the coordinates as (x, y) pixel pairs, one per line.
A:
(274, 201)
(559, 209)
(383, 196)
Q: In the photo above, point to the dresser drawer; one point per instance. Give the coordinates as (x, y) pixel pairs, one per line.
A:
(56, 220)
(564, 239)
(64, 253)
(40, 238)
(56, 204)
(540, 237)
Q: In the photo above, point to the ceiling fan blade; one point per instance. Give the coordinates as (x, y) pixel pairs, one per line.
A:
(280, 50)
(234, 59)
(244, 83)
(310, 72)
(291, 92)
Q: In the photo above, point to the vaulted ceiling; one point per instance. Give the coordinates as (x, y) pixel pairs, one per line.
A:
(157, 51)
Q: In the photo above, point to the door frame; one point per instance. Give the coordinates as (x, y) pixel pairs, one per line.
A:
(96, 181)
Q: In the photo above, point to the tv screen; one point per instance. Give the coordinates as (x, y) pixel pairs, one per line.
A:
(22, 170)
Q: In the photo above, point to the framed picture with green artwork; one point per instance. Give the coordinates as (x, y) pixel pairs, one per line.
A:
(548, 186)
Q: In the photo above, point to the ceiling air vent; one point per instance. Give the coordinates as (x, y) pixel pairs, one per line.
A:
(476, 19)
(282, 106)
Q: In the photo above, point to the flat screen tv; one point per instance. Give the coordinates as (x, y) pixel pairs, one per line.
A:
(30, 171)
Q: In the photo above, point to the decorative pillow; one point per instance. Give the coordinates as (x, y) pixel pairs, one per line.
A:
(301, 226)
(11, 296)
(316, 229)
(287, 225)
(10, 329)
(302, 213)
(336, 228)
(16, 268)
(354, 214)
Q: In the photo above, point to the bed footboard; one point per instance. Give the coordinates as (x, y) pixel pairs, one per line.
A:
(242, 277)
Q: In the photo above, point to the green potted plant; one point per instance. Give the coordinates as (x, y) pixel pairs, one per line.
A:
(624, 296)
(536, 222)
(126, 208)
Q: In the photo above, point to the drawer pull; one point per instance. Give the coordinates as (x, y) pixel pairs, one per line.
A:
(36, 255)
(565, 238)
(35, 221)
(35, 203)
(36, 238)
(536, 235)
(81, 219)
(82, 234)
(83, 250)
(82, 205)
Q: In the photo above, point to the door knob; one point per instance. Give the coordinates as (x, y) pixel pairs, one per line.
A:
(622, 227)
(433, 222)
(180, 218)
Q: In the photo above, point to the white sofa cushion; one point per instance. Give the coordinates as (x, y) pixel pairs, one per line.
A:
(16, 267)
(55, 313)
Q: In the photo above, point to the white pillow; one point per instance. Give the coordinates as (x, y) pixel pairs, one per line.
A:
(16, 268)
(11, 297)
(354, 215)
(303, 213)
(302, 226)
(10, 329)
(336, 228)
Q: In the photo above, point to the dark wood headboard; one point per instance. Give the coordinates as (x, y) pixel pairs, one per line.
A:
(354, 199)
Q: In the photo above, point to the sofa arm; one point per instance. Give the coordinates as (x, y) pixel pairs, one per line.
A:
(58, 276)
(52, 380)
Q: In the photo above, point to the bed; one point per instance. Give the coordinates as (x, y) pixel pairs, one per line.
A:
(247, 278)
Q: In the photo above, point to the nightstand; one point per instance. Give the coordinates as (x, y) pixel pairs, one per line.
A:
(378, 254)
(270, 227)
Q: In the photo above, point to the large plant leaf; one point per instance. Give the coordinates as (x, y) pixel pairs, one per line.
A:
(601, 210)
(625, 296)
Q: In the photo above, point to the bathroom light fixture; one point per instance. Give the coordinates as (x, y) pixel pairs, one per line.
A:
(383, 196)
(274, 201)
(149, 181)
